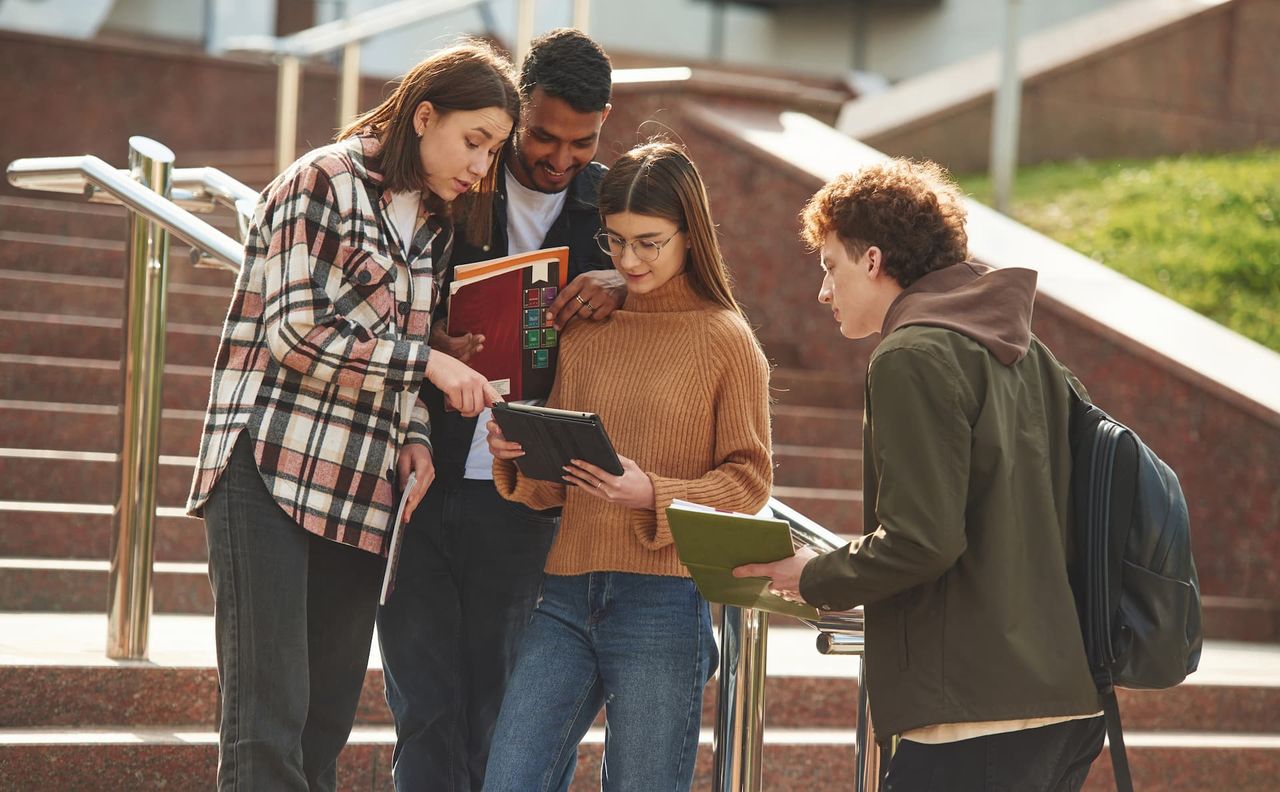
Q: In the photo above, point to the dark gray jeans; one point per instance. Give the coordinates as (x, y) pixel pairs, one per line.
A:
(293, 616)
(470, 570)
(1048, 759)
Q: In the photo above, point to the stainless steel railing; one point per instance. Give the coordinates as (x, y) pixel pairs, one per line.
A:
(148, 189)
(348, 35)
(739, 735)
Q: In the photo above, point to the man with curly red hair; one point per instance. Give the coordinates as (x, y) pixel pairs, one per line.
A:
(974, 654)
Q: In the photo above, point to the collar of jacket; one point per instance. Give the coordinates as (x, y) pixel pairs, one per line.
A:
(365, 152)
(991, 306)
(583, 189)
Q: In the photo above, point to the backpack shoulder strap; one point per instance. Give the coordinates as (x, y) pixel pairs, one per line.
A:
(1115, 736)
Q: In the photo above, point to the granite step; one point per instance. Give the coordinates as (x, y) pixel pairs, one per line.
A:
(62, 215)
(79, 585)
(90, 427)
(837, 510)
(62, 379)
(146, 694)
(45, 530)
(803, 760)
(817, 466)
(59, 585)
(80, 336)
(72, 216)
(83, 476)
(56, 255)
(801, 387)
(817, 426)
(94, 296)
(55, 674)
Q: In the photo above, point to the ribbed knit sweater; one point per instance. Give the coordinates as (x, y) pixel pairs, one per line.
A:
(682, 388)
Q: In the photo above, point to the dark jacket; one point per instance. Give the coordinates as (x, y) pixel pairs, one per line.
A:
(963, 562)
(576, 227)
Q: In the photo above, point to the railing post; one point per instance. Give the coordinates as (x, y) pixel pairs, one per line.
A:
(524, 29)
(287, 91)
(349, 89)
(739, 735)
(146, 286)
(1006, 114)
(582, 14)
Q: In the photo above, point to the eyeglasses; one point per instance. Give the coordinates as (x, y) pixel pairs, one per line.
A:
(644, 249)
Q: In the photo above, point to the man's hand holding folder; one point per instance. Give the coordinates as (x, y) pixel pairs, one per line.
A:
(784, 575)
(714, 545)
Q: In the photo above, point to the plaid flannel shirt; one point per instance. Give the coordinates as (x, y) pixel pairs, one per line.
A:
(324, 348)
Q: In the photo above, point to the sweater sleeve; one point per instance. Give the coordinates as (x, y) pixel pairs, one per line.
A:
(743, 475)
(515, 486)
(919, 443)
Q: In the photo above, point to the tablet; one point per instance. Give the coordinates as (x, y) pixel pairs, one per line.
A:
(551, 438)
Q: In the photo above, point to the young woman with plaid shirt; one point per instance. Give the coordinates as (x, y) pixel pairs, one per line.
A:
(314, 422)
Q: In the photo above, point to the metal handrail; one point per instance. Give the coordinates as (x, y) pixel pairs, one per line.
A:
(739, 733)
(145, 189)
(330, 36)
(194, 189)
(840, 632)
(343, 34)
(88, 175)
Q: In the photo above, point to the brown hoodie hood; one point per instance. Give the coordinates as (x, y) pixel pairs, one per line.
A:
(991, 306)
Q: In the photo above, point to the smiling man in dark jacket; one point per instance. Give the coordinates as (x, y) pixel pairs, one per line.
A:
(974, 654)
(471, 565)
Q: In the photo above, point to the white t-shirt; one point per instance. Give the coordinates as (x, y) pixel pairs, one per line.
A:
(529, 216)
(402, 211)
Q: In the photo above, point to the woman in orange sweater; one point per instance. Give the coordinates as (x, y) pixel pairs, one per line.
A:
(679, 379)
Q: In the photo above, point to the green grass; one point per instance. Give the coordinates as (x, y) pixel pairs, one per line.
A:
(1203, 230)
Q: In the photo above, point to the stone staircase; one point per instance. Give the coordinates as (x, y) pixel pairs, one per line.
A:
(70, 719)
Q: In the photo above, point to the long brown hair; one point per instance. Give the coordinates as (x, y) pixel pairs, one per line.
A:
(658, 179)
(469, 76)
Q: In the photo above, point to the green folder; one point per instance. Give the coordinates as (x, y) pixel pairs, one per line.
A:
(711, 543)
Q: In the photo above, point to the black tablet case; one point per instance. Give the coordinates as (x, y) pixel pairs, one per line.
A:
(552, 437)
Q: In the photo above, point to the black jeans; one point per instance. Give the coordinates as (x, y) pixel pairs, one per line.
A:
(469, 576)
(1048, 759)
(293, 620)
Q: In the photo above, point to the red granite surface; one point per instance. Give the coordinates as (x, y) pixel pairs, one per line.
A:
(366, 767)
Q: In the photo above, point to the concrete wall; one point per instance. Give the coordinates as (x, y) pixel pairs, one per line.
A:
(88, 98)
(905, 40)
(1208, 83)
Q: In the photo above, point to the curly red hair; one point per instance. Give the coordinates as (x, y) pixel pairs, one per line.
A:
(909, 209)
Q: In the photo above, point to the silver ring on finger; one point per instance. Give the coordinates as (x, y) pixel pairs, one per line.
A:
(599, 483)
(578, 297)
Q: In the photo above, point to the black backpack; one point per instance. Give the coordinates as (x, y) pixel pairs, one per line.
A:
(1133, 577)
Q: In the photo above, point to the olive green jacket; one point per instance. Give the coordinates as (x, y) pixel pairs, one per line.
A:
(963, 563)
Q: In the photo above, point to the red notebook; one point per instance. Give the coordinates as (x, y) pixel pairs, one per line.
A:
(508, 301)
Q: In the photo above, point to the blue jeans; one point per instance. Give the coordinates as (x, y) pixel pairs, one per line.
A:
(641, 646)
(469, 574)
(293, 620)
